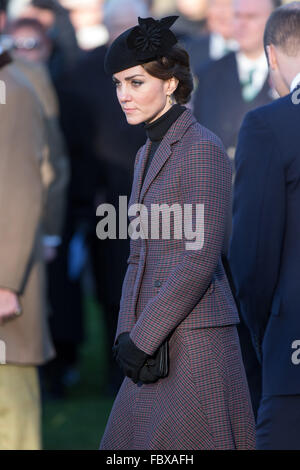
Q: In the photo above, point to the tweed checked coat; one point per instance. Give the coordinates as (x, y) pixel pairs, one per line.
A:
(171, 292)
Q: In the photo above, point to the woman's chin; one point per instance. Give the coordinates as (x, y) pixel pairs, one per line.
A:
(133, 120)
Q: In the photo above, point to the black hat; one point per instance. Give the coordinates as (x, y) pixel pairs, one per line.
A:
(148, 41)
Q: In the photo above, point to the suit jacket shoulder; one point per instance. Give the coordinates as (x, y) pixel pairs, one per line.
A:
(272, 113)
(281, 120)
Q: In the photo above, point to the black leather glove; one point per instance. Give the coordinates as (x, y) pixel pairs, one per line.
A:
(129, 357)
(148, 373)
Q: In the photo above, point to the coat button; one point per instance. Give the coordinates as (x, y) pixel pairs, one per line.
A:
(157, 283)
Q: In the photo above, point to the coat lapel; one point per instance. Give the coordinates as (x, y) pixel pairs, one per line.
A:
(164, 151)
(161, 156)
(140, 171)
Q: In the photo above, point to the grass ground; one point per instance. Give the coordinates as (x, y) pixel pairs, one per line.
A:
(78, 422)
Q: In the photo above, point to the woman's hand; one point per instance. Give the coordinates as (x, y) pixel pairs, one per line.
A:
(129, 357)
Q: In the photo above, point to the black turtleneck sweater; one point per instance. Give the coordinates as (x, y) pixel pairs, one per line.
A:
(157, 129)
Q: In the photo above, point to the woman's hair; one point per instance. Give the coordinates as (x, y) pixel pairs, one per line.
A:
(31, 23)
(175, 64)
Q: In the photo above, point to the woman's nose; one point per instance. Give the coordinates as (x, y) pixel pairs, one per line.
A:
(124, 95)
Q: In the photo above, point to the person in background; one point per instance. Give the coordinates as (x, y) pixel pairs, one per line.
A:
(23, 314)
(55, 169)
(265, 246)
(65, 271)
(30, 40)
(192, 18)
(86, 18)
(31, 48)
(160, 8)
(218, 41)
(227, 90)
(56, 21)
(97, 132)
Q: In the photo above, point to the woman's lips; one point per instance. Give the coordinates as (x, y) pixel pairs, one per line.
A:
(129, 110)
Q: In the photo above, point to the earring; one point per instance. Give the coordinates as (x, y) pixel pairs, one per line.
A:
(170, 99)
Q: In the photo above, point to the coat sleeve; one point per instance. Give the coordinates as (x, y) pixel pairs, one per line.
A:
(55, 169)
(56, 175)
(258, 222)
(205, 179)
(22, 146)
(126, 317)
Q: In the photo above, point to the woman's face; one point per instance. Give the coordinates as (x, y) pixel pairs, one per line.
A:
(143, 97)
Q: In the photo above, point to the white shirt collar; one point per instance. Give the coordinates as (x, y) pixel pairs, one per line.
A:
(259, 65)
(295, 82)
(218, 46)
(249, 64)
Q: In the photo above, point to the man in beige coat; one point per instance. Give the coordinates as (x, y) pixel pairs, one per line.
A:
(23, 323)
(55, 168)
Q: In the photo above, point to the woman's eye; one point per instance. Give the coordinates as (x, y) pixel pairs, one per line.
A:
(136, 83)
(116, 84)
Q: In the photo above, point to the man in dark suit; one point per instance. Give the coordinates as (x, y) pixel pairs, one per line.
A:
(265, 248)
(227, 90)
(230, 87)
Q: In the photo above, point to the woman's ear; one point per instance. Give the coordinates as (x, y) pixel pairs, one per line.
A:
(172, 85)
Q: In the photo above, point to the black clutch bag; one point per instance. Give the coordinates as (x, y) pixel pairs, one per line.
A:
(163, 359)
(156, 366)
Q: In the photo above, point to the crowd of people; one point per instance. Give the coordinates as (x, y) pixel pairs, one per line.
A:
(66, 147)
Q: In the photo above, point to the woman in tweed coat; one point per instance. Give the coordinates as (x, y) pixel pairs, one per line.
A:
(169, 291)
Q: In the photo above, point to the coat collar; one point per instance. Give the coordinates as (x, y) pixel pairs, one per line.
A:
(5, 59)
(173, 135)
(295, 83)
